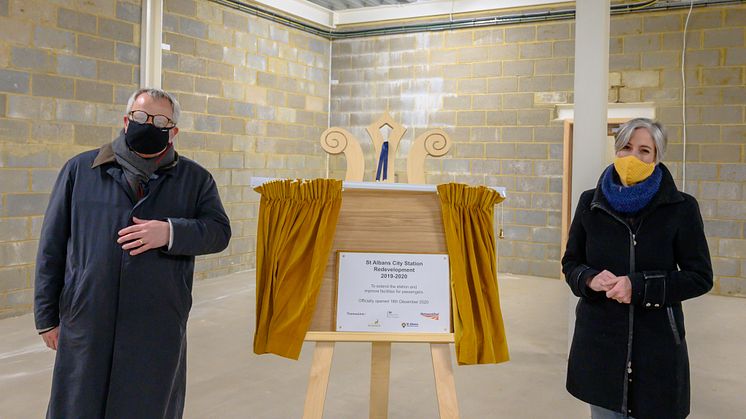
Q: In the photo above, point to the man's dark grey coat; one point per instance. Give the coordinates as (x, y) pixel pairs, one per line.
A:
(122, 343)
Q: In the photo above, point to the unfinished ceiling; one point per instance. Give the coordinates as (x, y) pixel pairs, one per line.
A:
(356, 4)
(336, 19)
(337, 13)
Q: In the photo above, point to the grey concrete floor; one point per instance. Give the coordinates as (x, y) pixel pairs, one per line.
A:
(226, 379)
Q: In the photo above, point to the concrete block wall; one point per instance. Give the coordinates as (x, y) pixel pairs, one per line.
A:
(64, 68)
(254, 97)
(494, 90)
(646, 53)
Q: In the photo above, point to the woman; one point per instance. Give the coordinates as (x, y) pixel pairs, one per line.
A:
(636, 249)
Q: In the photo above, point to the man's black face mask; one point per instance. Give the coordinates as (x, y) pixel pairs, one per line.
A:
(146, 138)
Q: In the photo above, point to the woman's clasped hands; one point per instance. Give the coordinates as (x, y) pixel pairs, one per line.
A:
(617, 288)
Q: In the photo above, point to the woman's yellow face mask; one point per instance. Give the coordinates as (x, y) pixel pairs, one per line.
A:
(632, 170)
(635, 162)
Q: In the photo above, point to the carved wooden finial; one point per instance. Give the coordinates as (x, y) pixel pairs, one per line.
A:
(396, 134)
(435, 143)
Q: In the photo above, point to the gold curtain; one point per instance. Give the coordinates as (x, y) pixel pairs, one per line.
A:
(468, 218)
(297, 220)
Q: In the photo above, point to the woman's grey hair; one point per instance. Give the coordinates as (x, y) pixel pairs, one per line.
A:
(656, 130)
(157, 94)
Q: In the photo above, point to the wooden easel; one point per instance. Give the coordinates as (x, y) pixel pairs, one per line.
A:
(379, 220)
(445, 386)
(389, 218)
(413, 224)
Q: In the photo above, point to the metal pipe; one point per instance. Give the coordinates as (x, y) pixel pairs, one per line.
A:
(560, 14)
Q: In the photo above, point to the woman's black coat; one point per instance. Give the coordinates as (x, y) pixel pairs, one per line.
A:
(632, 358)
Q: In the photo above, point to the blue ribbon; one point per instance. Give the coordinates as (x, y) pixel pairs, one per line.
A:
(383, 162)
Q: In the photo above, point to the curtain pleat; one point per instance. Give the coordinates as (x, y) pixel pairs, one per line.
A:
(295, 232)
(468, 219)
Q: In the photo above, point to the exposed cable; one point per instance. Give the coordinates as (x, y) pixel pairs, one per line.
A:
(683, 99)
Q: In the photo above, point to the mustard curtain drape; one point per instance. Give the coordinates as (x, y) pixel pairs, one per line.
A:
(477, 321)
(297, 220)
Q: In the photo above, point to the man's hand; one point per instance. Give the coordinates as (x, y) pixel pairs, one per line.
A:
(51, 337)
(604, 281)
(144, 235)
(622, 291)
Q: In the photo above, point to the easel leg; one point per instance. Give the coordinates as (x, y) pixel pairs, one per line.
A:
(380, 370)
(445, 386)
(318, 380)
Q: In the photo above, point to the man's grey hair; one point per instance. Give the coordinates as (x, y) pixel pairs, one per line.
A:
(656, 130)
(157, 94)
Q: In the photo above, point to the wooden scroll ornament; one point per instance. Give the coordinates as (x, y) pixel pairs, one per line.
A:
(434, 143)
(337, 140)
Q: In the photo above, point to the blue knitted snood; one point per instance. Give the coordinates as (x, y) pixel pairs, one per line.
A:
(630, 199)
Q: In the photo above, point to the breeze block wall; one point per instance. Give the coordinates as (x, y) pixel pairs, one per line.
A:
(495, 89)
(65, 68)
(254, 95)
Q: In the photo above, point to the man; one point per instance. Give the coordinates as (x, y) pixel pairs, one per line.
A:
(115, 265)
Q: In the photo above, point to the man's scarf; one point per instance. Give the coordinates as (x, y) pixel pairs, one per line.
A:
(138, 170)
